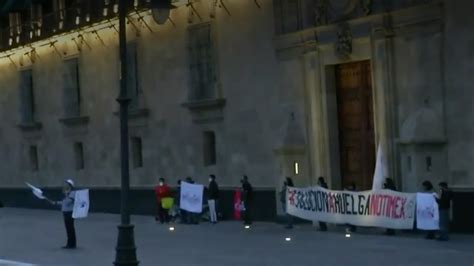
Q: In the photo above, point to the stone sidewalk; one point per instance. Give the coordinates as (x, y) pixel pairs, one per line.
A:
(34, 236)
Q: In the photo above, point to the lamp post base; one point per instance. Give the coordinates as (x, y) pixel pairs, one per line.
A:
(126, 252)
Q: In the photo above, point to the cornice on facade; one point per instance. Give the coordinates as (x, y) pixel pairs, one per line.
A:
(425, 18)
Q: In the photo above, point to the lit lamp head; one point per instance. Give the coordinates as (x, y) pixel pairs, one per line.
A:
(160, 10)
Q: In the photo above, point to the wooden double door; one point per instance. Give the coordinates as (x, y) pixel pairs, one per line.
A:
(355, 123)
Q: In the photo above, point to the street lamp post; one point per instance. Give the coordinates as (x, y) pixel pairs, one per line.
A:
(125, 250)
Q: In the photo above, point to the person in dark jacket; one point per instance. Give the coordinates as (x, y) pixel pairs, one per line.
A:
(283, 196)
(444, 205)
(351, 228)
(213, 196)
(390, 185)
(67, 207)
(322, 183)
(177, 200)
(247, 200)
(428, 188)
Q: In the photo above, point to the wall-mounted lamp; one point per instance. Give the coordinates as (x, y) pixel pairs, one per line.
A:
(296, 168)
(160, 10)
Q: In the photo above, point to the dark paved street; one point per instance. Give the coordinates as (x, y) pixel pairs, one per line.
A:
(35, 236)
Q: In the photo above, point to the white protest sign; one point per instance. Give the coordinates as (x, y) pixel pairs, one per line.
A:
(36, 191)
(427, 213)
(81, 204)
(191, 197)
(381, 208)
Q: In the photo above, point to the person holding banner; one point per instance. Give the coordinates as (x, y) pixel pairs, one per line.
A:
(247, 200)
(283, 198)
(163, 196)
(390, 185)
(350, 227)
(192, 218)
(177, 200)
(428, 188)
(444, 204)
(67, 207)
(322, 183)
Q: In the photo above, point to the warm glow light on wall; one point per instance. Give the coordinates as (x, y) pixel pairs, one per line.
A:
(106, 27)
(296, 168)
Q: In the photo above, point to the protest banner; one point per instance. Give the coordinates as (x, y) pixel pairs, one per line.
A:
(191, 197)
(237, 204)
(81, 204)
(378, 208)
(427, 213)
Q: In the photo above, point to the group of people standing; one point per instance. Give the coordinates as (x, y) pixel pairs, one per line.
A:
(168, 202)
(443, 198)
(168, 205)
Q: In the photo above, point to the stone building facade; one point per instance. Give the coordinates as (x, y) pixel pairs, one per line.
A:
(267, 88)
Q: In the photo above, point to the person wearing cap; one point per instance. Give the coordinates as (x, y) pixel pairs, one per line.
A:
(67, 207)
(213, 196)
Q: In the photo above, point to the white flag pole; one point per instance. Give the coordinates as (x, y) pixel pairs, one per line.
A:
(380, 172)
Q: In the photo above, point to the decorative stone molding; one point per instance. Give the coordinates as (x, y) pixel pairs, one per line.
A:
(423, 18)
(75, 121)
(135, 113)
(31, 126)
(344, 40)
(206, 111)
(294, 141)
(205, 104)
(366, 6)
(341, 8)
(321, 16)
(325, 10)
(423, 127)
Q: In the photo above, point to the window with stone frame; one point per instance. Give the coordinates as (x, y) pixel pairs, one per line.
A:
(79, 155)
(202, 63)
(209, 148)
(133, 84)
(71, 88)
(288, 15)
(137, 152)
(27, 99)
(34, 161)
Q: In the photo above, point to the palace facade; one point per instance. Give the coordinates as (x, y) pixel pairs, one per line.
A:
(266, 88)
